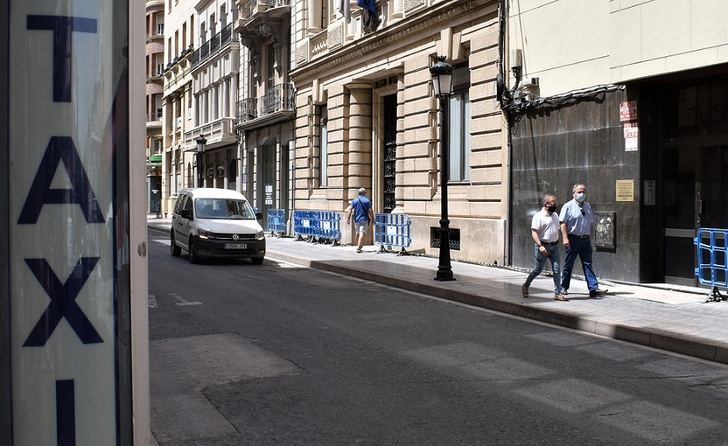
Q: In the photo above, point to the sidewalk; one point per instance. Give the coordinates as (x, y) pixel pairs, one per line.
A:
(657, 316)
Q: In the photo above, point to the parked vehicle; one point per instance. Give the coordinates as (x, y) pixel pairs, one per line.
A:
(209, 222)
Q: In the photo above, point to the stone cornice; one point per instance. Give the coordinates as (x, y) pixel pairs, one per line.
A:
(425, 20)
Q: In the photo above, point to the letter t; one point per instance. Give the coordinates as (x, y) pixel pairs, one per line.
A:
(62, 28)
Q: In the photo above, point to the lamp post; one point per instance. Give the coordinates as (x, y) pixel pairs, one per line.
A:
(442, 84)
(201, 141)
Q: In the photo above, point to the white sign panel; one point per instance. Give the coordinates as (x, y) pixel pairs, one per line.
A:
(62, 222)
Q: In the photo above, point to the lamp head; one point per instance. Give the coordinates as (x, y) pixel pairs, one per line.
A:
(441, 78)
(201, 141)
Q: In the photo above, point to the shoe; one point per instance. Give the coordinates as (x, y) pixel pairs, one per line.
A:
(359, 250)
(564, 292)
(561, 297)
(524, 291)
(597, 293)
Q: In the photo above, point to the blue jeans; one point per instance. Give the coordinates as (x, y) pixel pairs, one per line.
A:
(553, 251)
(581, 247)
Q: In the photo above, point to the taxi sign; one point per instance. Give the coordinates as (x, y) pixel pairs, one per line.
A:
(68, 294)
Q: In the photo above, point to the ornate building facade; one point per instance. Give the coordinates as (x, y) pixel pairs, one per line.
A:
(154, 89)
(366, 116)
(200, 95)
(266, 109)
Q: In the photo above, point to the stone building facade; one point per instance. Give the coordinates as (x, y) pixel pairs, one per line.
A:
(631, 98)
(200, 94)
(366, 117)
(154, 90)
(265, 109)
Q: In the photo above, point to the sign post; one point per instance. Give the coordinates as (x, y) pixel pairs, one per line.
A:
(71, 228)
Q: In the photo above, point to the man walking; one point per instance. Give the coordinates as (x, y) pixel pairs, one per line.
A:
(545, 234)
(363, 216)
(577, 220)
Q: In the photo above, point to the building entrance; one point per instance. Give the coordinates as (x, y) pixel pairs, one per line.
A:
(390, 151)
(694, 183)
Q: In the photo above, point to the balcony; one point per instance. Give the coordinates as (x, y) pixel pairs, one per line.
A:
(218, 133)
(254, 13)
(277, 104)
(212, 46)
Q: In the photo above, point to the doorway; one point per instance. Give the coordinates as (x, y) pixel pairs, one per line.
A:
(267, 190)
(389, 165)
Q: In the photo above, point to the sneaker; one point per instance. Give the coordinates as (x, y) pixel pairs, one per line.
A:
(564, 292)
(359, 250)
(561, 297)
(597, 293)
(524, 291)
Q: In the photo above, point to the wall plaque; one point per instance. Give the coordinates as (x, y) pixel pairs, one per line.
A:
(605, 237)
(625, 190)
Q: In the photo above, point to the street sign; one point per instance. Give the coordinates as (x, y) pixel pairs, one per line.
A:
(68, 211)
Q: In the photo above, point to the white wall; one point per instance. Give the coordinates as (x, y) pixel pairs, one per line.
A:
(570, 44)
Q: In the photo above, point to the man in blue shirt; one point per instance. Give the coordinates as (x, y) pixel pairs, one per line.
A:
(363, 216)
(576, 226)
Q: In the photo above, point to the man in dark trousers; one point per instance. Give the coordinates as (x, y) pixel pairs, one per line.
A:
(361, 207)
(577, 220)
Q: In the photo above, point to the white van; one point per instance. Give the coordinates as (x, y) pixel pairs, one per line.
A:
(209, 222)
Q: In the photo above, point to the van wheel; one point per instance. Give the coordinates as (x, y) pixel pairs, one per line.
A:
(194, 257)
(257, 260)
(176, 250)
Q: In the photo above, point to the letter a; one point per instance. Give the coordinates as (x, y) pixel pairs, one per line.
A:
(60, 148)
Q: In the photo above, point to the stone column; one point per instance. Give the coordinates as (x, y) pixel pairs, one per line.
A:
(360, 144)
(314, 15)
(360, 137)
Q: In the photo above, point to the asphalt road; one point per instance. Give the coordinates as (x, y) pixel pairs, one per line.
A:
(277, 354)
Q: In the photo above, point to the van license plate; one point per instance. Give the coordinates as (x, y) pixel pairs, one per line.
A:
(236, 246)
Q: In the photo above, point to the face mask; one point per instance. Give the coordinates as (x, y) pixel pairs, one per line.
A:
(551, 208)
(580, 197)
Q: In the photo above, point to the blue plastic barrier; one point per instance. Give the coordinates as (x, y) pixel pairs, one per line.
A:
(712, 263)
(276, 221)
(392, 230)
(317, 226)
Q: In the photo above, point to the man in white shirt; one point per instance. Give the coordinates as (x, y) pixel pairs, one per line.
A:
(545, 234)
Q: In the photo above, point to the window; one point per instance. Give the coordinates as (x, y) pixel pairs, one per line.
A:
(223, 17)
(169, 50)
(459, 117)
(323, 147)
(213, 25)
(184, 36)
(158, 64)
(202, 33)
(159, 19)
(176, 43)
(192, 30)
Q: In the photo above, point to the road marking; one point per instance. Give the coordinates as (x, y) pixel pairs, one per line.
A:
(152, 301)
(162, 241)
(181, 302)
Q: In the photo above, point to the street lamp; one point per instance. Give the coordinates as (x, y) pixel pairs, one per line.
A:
(442, 84)
(201, 141)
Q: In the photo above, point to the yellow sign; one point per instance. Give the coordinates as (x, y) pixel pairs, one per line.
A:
(625, 190)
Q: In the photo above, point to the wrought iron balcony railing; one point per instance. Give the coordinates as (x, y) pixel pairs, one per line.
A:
(281, 97)
(210, 47)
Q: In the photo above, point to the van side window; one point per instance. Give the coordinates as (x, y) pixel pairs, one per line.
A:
(188, 205)
(178, 204)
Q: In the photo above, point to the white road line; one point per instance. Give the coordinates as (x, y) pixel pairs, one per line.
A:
(181, 302)
(152, 301)
(165, 242)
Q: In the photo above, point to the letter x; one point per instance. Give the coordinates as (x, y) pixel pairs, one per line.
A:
(63, 302)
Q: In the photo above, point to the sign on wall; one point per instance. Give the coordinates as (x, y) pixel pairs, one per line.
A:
(67, 84)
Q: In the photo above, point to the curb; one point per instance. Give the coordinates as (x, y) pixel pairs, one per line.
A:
(660, 339)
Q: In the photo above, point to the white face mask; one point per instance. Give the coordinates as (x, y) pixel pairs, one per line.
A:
(580, 197)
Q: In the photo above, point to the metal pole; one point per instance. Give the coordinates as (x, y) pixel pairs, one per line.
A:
(444, 268)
